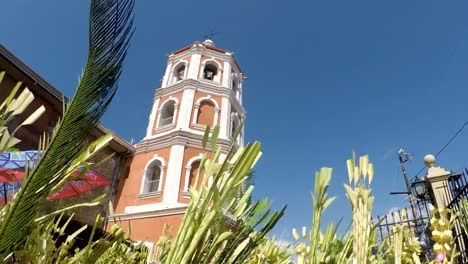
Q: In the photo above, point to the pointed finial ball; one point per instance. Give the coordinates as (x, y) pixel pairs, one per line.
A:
(209, 43)
(429, 160)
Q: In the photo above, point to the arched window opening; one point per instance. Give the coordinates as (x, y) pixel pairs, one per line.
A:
(153, 177)
(209, 72)
(193, 174)
(235, 124)
(179, 73)
(234, 86)
(167, 114)
(206, 113)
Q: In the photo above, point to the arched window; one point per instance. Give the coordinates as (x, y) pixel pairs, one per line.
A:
(235, 82)
(234, 86)
(235, 123)
(210, 71)
(206, 113)
(153, 177)
(191, 171)
(179, 73)
(193, 174)
(167, 114)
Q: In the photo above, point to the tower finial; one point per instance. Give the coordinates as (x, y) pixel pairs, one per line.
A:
(210, 35)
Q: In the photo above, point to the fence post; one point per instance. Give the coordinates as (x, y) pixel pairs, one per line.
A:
(437, 177)
(441, 195)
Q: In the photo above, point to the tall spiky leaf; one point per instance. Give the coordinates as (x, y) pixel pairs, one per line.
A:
(111, 27)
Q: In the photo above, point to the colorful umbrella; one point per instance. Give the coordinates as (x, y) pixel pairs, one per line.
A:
(85, 183)
(11, 175)
(13, 164)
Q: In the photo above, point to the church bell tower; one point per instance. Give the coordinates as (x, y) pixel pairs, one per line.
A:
(202, 86)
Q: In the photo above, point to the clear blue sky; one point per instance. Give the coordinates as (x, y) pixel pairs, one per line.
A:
(324, 77)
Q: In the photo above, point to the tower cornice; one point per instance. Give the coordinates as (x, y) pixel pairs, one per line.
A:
(202, 86)
(185, 138)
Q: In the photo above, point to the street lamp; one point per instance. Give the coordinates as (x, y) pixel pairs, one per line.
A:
(419, 189)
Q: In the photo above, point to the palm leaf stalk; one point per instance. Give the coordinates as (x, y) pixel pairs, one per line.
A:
(111, 27)
(442, 222)
(320, 202)
(463, 211)
(315, 246)
(204, 236)
(270, 252)
(402, 245)
(361, 200)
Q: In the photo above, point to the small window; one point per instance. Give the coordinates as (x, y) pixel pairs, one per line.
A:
(153, 178)
(209, 72)
(206, 113)
(167, 114)
(180, 73)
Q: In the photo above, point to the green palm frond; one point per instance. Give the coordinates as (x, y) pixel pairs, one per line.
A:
(111, 27)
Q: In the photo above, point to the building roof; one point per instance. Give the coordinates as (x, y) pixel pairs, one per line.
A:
(20, 71)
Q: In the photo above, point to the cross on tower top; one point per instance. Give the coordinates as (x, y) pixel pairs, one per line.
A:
(210, 35)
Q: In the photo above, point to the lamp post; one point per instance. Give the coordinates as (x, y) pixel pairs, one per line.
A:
(403, 157)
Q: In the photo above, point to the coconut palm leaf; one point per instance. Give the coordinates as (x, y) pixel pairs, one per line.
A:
(111, 27)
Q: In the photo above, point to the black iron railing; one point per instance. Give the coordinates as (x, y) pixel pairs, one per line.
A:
(416, 219)
(458, 191)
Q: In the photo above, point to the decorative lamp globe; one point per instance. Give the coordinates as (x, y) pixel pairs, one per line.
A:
(419, 188)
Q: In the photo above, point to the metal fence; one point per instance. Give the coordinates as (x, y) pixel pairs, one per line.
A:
(416, 219)
(457, 191)
(418, 214)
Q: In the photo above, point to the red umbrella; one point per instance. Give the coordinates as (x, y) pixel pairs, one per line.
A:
(85, 183)
(12, 165)
(11, 175)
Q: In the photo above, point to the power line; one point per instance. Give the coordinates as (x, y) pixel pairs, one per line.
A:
(451, 56)
(445, 146)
